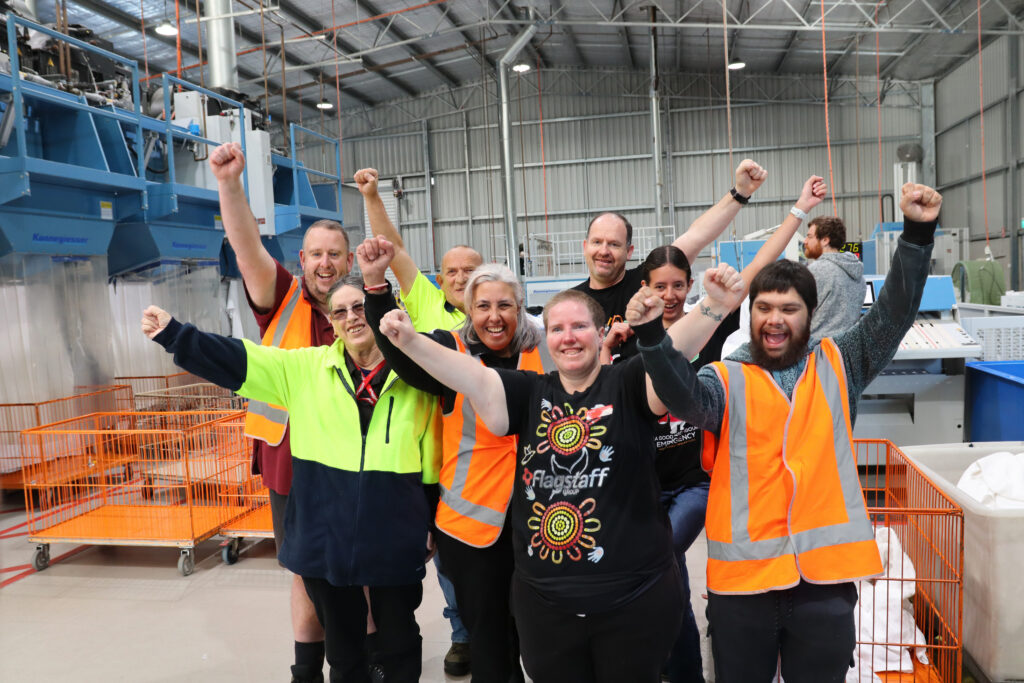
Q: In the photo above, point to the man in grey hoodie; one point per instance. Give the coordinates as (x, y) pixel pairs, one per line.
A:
(839, 276)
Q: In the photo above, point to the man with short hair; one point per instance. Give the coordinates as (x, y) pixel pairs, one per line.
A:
(609, 244)
(291, 313)
(787, 528)
(429, 309)
(838, 274)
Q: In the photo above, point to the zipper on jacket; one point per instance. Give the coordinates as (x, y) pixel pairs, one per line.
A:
(387, 428)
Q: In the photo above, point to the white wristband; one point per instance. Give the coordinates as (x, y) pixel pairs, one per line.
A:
(799, 213)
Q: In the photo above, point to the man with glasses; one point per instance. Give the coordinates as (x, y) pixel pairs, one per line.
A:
(291, 313)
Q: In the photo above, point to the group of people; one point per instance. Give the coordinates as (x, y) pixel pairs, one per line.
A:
(560, 473)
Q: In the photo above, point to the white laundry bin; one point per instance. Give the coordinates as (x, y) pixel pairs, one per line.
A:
(993, 632)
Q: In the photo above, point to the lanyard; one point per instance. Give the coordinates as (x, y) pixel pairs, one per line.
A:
(364, 386)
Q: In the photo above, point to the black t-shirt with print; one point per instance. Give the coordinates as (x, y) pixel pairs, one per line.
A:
(613, 300)
(589, 533)
(678, 443)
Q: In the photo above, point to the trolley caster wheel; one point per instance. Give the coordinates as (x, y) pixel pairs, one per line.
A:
(186, 562)
(229, 553)
(41, 558)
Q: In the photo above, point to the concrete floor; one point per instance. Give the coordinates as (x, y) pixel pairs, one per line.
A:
(103, 613)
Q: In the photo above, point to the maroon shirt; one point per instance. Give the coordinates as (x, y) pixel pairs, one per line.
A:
(275, 462)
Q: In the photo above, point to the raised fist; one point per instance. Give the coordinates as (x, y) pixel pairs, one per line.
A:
(749, 176)
(366, 181)
(227, 161)
(920, 203)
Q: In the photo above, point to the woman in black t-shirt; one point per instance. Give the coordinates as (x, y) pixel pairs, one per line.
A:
(595, 593)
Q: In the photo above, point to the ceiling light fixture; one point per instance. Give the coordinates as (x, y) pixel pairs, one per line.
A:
(165, 28)
(324, 104)
(521, 67)
(736, 65)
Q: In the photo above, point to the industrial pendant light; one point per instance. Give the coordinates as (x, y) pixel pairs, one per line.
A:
(166, 28)
(324, 104)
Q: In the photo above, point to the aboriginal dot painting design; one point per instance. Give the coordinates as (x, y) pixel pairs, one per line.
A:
(568, 432)
(562, 529)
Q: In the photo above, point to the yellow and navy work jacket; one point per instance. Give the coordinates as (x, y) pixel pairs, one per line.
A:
(357, 513)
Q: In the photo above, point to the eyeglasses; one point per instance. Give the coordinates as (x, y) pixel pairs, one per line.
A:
(341, 313)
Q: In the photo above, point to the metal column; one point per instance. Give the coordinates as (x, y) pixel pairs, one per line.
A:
(220, 29)
(1014, 222)
(927, 134)
(428, 186)
(507, 187)
(659, 209)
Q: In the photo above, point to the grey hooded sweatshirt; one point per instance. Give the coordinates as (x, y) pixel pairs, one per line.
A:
(841, 288)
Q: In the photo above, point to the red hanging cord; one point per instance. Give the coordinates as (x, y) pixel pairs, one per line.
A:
(142, 27)
(878, 103)
(337, 94)
(828, 133)
(177, 38)
(728, 87)
(981, 104)
(543, 163)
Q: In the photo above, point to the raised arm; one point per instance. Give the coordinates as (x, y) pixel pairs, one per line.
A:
(813, 192)
(725, 290)
(715, 220)
(402, 265)
(462, 373)
(254, 261)
(374, 255)
(870, 344)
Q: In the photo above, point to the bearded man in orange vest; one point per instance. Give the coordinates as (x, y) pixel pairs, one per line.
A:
(787, 528)
(291, 313)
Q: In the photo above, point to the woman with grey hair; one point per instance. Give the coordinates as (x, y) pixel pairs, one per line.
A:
(477, 468)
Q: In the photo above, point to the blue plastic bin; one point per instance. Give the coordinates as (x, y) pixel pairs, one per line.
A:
(995, 400)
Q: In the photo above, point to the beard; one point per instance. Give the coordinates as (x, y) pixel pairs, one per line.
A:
(797, 350)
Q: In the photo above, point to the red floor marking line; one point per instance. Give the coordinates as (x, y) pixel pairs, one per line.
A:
(12, 528)
(30, 571)
(17, 535)
(17, 568)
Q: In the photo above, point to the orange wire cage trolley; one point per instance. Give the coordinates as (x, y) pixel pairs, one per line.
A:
(141, 384)
(910, 621)
(154, 479)
(256, 522)
(15, 417)
(197, 396)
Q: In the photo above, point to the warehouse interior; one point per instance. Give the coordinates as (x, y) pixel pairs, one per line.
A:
(505, 126)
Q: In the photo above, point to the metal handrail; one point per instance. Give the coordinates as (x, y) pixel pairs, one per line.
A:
(13, 21)
(295, 162)
(172, 131)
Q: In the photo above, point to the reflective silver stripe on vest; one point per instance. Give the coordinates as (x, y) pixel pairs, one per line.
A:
(278, 415)
(467, 444)
(858, 528)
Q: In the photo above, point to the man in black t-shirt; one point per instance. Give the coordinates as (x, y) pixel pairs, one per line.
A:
(609, 245)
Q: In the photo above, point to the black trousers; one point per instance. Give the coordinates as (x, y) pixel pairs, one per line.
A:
(342, 612)
(625, 645)
(482, 577)
(809, 626)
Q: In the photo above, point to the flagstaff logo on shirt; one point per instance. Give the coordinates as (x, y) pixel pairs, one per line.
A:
(577, 460)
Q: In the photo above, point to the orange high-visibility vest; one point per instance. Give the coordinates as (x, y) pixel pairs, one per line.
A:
(477, 469)
(290, 328)
(785, 500)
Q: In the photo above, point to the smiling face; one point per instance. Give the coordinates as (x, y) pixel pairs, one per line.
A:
(325, 259)
(672, 284)
(780, 327)
(349, 320)
(573, 338)
(494, 314)
(456, 267)
(606, 250)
